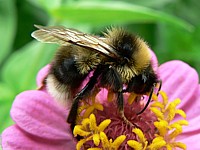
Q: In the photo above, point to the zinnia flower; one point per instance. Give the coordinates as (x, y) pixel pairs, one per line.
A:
(40, 123)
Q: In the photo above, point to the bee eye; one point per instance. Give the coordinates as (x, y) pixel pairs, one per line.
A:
(144, 78)
(124, 61)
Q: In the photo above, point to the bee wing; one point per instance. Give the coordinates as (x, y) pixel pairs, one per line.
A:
(64, 36)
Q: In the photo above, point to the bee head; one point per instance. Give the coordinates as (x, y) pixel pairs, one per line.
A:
(132, 49)
(122, 41)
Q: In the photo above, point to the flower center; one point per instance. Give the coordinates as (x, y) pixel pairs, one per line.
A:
(102, 127)
(119, 127)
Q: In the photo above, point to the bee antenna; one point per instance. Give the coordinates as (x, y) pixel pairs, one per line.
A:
(150, 96)
(160, 85)
(149, 100)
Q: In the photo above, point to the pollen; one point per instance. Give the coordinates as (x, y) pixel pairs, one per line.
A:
(142, 142)
(102, 128)
(168, 129)
(140, 135)
(88, 108)
(90, 131)
(110, 144)
(131, 98)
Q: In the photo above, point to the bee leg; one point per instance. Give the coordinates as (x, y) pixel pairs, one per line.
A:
(111, 78)
(120, 104)
(82, 94)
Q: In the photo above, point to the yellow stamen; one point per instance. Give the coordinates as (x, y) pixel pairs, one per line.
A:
(110, 96)
(180, 145)
(154, 97)
(85, 123)
(140, 135)
(93, 123)
(79, 131)
(110, 144)
(176, 130)
(157, 112)
(164, 97)
(167, 132)
(88, 111)
(157, 105)
(166, 111)
(88, 108)
(135, 145)
(181, 122)
(171, 109)
(104, 139)
(157, 143)
(104, 124)
(96, 139)
(94, 148)
(181, 112)
(161, 126)
(90, 130)
(81, 142)
(142, 143)
(98, 107)
(165, 137)
(118, 141)
(131, 98)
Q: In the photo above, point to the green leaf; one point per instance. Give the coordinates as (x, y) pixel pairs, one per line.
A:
(22, 67)
(7, 27)
(46, 4)
(6, 99)
(106, 13)
(6, 94)
(5, 119)
(153, 3)
(6, 122)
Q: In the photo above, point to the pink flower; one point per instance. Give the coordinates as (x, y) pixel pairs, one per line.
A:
(41, 123)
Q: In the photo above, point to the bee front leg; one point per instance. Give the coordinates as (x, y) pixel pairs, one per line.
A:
(81, 95)
(111, 79)
(120, 104)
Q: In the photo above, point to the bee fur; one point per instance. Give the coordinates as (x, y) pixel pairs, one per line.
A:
(117, 60)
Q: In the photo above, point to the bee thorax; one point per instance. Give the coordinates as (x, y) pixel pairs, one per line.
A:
(86, 63)
(126, 73)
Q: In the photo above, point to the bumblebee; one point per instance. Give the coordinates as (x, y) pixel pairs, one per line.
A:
(119, 62)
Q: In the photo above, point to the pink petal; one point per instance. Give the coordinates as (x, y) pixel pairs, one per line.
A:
(36, 113)
(154, 61)
(193, 130)
(42, 74)
(13, 138)
(191, 139)
(181, 81)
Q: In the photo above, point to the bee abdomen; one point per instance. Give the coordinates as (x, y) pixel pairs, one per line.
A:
(64, 80)
(68, 74)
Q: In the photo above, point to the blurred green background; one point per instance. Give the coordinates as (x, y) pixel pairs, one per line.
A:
(171, 27)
